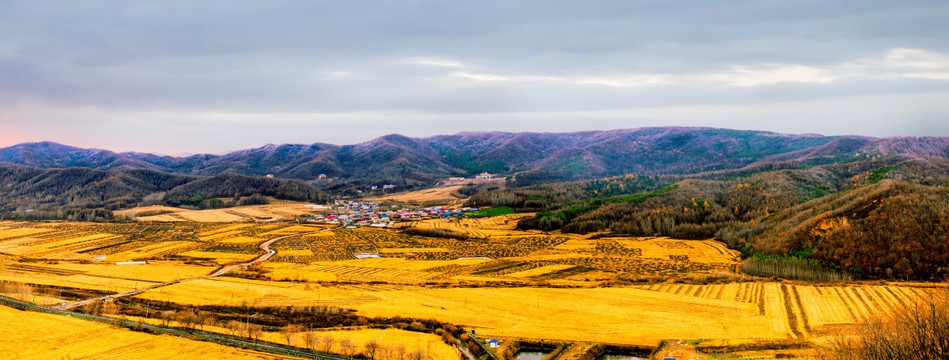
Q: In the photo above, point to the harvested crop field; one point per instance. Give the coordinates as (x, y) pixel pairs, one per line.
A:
(445, 194)
(283, 211)
(29, 335)
(737, 312)
(495, 280)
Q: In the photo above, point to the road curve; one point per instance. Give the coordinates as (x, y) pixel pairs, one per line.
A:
(265, 246)
(268, 253)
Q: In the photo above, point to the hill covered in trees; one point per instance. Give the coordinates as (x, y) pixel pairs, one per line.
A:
(875, 216)
(53, 191)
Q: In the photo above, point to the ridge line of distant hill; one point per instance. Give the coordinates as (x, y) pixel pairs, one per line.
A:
(408, 162)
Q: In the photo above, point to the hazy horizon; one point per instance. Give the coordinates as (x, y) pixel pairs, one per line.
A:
(211, 77)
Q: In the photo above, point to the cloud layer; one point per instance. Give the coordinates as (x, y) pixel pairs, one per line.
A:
(221, 75)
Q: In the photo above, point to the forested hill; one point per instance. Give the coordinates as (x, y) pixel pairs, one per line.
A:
(533, 157)
(38, 190)
(874, 216)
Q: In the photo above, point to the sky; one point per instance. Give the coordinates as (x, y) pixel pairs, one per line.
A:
(177, 77)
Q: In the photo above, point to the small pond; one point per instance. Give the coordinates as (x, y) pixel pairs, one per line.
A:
(530, 355)
(618, 357)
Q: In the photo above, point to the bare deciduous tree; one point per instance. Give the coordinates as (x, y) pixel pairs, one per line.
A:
(255, 331)
(371, 348)
(166, 317)
(916, 331)
(416, 355)
(347, 347)
(202, 318)
(328, 343)
(310, 339)
(400, 352)
(288, 332)
(234, 327)
(188, 319)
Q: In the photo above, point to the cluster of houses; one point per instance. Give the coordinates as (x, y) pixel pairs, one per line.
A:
(478, 179)
(367, 213)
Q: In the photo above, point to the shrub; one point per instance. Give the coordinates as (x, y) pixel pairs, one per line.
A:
(255, 199)
(916, 331)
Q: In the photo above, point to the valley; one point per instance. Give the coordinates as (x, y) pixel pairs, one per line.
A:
(771, 246)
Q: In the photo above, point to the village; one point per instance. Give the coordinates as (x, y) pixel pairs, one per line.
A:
(361, 212)
(354, 214)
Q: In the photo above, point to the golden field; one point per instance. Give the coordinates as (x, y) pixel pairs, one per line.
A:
(111, 242)
(29, 335)
(393, 343)
(84, 255)
(443, 194)
(494, 279)
(397, 341)
(280, 211)
(644, 315)
(501, 254)
(219, 257)
(499, 226)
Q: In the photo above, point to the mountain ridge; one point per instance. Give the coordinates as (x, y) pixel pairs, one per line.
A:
(413, 162)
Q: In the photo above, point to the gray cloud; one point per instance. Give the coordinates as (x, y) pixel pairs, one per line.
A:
(163, 76)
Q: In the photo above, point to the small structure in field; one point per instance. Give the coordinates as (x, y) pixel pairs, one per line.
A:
(483, 176)
(142, 262)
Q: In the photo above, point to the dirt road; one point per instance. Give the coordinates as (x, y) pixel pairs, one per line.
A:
(265, 246)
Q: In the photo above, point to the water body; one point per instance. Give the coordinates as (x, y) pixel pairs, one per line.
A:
(619, 357)
(530, 355)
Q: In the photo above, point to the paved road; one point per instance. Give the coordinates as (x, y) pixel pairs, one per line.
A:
(265, 246)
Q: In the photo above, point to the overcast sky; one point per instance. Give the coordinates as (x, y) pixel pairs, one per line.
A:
(213, 76)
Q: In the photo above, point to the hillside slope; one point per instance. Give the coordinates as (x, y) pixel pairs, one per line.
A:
(878, 216)
(38, 189)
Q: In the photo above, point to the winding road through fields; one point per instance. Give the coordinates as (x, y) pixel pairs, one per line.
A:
(265, 246)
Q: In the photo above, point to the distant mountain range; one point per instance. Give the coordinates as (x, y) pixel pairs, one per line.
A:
(50, 174)
(409, 162)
